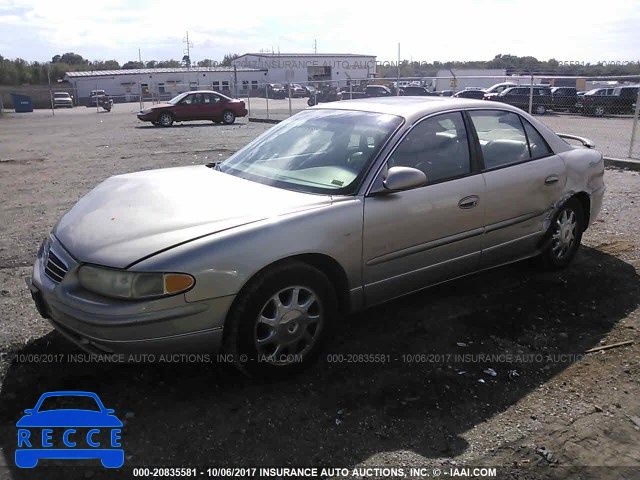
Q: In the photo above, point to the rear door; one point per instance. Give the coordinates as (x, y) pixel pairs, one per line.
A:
(524, 180)
(212, 107)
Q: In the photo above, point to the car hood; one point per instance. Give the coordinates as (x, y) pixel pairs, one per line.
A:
(69, 418)
(160, 105)
(128, 217)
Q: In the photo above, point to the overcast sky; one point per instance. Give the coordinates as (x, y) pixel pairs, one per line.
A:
(442, 30)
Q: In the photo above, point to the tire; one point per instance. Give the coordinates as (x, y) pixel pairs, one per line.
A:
(540, 110)
(310, 102)
(563, 238)
(228, 117)
(166, 120)
(599, 111)
(280, 320)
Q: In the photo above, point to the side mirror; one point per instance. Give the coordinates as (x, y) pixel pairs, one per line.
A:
(404, 178)
(29, 411)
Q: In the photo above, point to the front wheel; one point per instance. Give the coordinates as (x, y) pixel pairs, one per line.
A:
(564, 236)
(228, 117)
(540, 110)
(280, 320)
(599, 111)
(166, 120)
(311, 102)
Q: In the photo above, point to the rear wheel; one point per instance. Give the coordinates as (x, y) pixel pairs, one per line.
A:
(564, 236)
(540, 110)
(166, 119)
(228, 117)
(280, 320)
(599, 111)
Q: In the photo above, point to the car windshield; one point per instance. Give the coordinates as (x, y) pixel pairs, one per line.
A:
(67, 402)
(176, 99)
(316, 151)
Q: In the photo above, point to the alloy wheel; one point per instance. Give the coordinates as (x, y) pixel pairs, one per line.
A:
(564, 235)
(288, 325)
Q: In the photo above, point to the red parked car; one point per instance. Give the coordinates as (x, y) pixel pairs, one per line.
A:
(196, 105)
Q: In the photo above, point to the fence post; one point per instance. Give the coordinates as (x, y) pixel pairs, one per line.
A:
(266, 97)
(249, 102)
(635, 125)
(531, 95)
(289, 88)
(53, 108)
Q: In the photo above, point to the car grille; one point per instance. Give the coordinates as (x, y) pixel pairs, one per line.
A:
(55, 268)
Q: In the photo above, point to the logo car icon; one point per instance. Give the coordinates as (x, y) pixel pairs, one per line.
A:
(32, 447)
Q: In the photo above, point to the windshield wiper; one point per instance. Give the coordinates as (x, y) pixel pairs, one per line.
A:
(215, 165)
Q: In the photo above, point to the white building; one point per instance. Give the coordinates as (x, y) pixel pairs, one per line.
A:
(163, 83)
(307, 68)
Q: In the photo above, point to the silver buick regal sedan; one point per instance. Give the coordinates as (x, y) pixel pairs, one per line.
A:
(340, 207)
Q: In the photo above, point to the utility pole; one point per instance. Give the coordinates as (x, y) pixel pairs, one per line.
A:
(187, 49)
(315, 46)
(398, 73)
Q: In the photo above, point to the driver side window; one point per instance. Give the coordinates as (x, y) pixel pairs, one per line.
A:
(438, 146)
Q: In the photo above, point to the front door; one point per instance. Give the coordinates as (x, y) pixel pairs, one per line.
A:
(416, 238)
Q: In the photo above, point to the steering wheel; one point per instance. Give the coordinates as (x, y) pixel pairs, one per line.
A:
(356, 161)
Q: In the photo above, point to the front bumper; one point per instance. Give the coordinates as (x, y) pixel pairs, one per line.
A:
(99, 325)
(147, 117)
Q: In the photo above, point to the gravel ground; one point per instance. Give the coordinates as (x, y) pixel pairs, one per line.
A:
(550, 411)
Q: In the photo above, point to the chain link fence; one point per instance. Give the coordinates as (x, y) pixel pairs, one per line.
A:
(603, 109)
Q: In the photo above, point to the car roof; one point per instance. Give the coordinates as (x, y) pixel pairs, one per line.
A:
(415, 108)
(410, 107)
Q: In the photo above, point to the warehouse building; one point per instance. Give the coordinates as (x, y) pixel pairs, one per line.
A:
(163, 83)
(309, 67)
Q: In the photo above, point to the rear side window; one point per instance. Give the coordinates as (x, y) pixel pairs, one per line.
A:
(537, 144)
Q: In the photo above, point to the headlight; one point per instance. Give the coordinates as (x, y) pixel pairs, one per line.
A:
(132, 285)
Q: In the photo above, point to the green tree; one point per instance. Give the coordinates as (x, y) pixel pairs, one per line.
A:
(73, 59)
(228, 58)
(169, 64)
(132, 64)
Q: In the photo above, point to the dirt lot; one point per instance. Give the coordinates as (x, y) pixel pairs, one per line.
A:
(550, 411)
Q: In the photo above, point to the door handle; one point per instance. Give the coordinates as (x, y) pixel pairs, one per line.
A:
(551, 179)
(469, 202)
